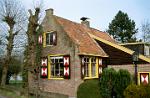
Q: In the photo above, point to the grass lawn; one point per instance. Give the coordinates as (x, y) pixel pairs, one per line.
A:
(9, 93)
(13, 90)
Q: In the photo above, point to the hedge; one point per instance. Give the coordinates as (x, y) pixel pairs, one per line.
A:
(89, 89)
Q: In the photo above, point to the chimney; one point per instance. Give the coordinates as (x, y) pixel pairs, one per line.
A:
(85, 21)
(49, 12)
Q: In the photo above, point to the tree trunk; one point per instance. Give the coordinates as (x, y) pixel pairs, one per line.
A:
(7, 59)
(31, 48)
(4, 75)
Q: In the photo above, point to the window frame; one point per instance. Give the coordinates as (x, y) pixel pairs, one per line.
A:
(54, 41)
(90, 67)
(54, 66)
(49, 67)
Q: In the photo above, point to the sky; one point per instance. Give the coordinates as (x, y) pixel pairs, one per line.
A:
(100, 12)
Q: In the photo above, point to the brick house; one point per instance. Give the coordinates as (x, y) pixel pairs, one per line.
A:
(73, 52)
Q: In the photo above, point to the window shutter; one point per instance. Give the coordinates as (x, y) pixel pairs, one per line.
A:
(82, 68)
(40, 39)
(100, 67)
(54, 38)
(66, 67)
(44, 70)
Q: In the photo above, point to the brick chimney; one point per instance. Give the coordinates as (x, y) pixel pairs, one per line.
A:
(49, 12)
(85, 22)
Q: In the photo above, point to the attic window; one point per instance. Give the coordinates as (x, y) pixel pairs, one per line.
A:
(51, 38)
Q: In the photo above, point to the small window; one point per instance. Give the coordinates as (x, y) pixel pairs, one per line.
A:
(51, 38)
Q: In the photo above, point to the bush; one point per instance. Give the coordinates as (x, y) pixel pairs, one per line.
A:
(137, 91)
(107, 82)
(123, 79)
(114, 83)
(89, 89)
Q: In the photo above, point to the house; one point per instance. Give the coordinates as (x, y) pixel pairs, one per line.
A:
(141, 47)
(73, 52)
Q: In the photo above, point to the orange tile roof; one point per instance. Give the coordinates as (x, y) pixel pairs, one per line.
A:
(80, 36)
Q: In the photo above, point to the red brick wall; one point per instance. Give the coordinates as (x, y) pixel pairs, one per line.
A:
(130, 67)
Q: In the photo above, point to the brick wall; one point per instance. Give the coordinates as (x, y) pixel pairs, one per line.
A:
(130, 67)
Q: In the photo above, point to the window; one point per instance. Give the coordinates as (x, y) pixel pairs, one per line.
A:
(59, 67)
(86, 66)
(89, 67)
(51, 38)
(93, 66)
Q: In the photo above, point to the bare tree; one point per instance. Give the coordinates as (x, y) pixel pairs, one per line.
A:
(31, 61)
(12, 16)
(146, 31)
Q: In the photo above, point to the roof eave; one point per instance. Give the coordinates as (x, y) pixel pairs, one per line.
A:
(87, 54)
(142, 57)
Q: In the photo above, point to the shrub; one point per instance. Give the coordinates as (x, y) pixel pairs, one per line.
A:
(113, 83)
(89, 89)
(137, 91)
(123, 79)
(107, 82)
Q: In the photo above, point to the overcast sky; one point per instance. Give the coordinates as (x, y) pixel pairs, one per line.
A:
(100, 12)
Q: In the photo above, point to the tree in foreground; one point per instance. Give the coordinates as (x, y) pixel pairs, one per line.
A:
(107, 82)
(123, 79)
(122, 28)
(33, 51)
(114, 83)
(12, 15)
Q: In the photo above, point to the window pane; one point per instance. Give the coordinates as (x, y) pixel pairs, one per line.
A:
(93, 69)
(57, 67)
(52, 70)
(86, 69)
(47, 39)
(93, 66)
(51, 38)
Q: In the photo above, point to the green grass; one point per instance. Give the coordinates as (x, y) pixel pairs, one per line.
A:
(13, 90)
(9, 93)
(89, 89)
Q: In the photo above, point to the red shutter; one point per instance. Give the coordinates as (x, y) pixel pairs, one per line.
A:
(44, 69)
(54, 38)
(100, 66)
(66, 67)
(82, 68)
(40, 40)
(144, 78)
(44, 62)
